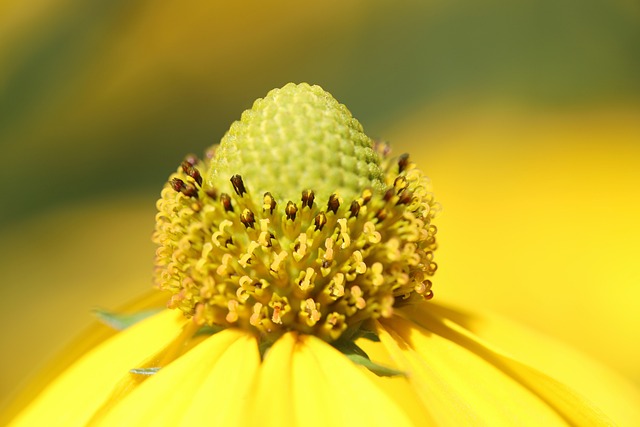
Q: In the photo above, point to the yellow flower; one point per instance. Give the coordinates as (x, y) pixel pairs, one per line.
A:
(298, 255)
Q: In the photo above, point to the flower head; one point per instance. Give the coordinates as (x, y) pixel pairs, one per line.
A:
(297, 221)
(298, 255)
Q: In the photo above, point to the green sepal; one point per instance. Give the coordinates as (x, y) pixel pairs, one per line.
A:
(263, 347)
(144, 371)
(360, 357)
(208, 330)
(121, 321)
(379, 370)
(369, 335)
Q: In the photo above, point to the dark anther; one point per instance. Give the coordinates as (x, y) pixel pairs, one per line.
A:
(320, 221)
(177, 184)
(211, 152)
(238, 185)
(268, 202)
(307, 198)
(192, 159)
(366, 196)
(326, 264)
(355, 208)
(226, 202)
(190, 191)
(247, 218)
(382, 147)
(194, 173)
(403, 162)
(291, 209)
(333, 204)
(213, 193)
(405, 198)
(389, 194)
(381, 215)
(400, 183)
(185, 188)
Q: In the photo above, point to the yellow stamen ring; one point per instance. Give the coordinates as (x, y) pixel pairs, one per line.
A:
(316, 267)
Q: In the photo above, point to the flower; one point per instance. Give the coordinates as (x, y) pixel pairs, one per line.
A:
(298, 255)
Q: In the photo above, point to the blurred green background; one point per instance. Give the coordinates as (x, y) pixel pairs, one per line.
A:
(525, 114)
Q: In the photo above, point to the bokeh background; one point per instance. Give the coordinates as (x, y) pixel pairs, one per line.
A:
(525, 114)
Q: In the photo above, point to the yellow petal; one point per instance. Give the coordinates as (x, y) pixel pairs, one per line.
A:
(466, 382)
(209, 385)
(313, 384)
(272, 406)
(397, 388)
(540, 218)
(615, 396)
(74, 396)
(95, 334)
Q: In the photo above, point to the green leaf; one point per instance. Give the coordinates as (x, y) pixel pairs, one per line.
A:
(144, 371)
(121, 321)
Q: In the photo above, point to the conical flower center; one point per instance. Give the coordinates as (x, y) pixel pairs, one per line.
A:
(317, 263)
(297, 137)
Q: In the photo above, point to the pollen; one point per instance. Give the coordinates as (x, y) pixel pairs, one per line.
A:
(296, 222)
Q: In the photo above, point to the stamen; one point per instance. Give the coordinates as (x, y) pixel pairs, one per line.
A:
(238, 185)
(280, 306)
(185, 188)
(367, 194)
(336, 287)
(344, 233)
(357, 294)
(307, 198)
(405, 197)
(300, 249)
(334, 326)
(403, 162)
(257, 315)
(212, 192)
(275, 265)
(268, 202)
(400, 183)
(355, 209)
(381, 215)
(226, 202)
(247, 218)
(306, 281)
(191, 159)
(189, 169)
(310, 311)
(334, 203)
(319, 221)
(291, 210)
(369, 231)
(388, 195)
(232, 316)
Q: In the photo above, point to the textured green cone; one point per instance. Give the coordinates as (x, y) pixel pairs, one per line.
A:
(297, 137)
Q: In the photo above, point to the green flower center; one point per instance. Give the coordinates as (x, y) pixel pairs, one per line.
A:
(300, 223)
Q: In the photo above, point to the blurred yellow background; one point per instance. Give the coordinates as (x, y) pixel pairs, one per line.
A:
(526, 116)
